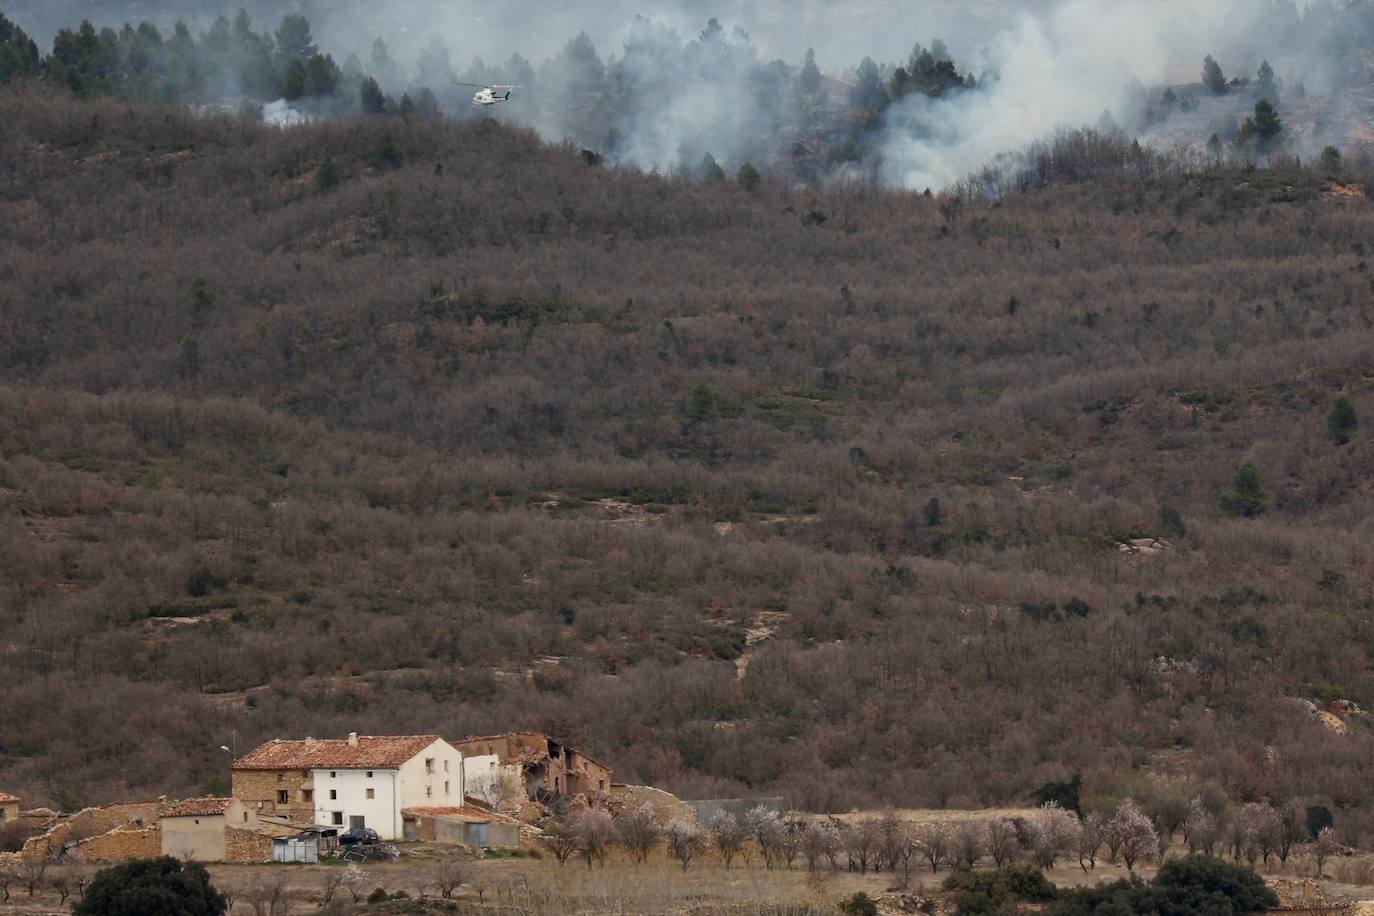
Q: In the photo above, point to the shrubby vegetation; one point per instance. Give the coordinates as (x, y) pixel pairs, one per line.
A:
(740, 499)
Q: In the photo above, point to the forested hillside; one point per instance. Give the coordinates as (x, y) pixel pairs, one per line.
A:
(389, 426)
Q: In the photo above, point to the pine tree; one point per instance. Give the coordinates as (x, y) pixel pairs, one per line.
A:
(1263, 128)
(370, 95)
(296, 84)
(710, 170)
(1265, 84)
(749, 178)
(327, 177)
(810, 77)
(1246, 497)
(1212, 76)
(1342, 421)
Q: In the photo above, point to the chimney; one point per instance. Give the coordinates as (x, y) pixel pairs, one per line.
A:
(352, 739)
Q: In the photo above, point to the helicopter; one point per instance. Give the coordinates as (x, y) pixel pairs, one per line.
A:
(487, 96)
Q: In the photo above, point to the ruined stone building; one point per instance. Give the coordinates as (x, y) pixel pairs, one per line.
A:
(360, 781)
(9, 807)
(507, 770)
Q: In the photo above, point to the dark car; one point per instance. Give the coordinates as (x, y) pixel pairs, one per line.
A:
(355, 836)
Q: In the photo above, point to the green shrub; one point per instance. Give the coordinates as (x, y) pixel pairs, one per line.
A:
(152, 887)
(987, 893)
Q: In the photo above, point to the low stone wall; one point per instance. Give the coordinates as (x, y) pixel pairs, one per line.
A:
(121, 845)
(245, 847)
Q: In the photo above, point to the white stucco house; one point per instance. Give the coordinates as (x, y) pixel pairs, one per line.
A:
(358, 781)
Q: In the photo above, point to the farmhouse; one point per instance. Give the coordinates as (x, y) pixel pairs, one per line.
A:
(360, 781)
(9, 807)
(516, 767)
(213, 830)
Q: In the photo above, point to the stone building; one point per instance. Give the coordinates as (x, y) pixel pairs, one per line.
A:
(360, 781)
(515, 767)
(9, 807)
(198, 829)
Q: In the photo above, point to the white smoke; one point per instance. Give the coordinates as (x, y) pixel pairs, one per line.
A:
(282, 114)
(1044, 72)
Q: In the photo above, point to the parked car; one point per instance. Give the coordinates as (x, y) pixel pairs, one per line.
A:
(355, 836)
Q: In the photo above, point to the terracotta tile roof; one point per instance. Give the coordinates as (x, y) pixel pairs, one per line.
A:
(198, 807)
(371, 752)
(8, 799)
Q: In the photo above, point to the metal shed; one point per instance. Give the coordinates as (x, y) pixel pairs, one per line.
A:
(304, 849)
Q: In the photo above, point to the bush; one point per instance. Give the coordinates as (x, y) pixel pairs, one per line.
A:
(1195, 884)
(1063, 794)
(985, 893)
(1341, 421)
(859, 905)
(152, 887)
(1246, 498)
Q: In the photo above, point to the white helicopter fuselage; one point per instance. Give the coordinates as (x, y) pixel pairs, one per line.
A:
(489, 97)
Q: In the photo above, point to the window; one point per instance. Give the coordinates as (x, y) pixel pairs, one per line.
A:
(245, 817)
(333, 794)
(338, 818)
(429, 764)
(445, 786)
(371, 793)
(429, 791)
(307, 795)
(445, 765)
(333, 774)
(369, 774)
(357, 820)
(283, 796)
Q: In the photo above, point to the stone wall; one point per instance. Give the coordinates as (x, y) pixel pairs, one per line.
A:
(88, 822)
(254, 786)
(121, 844)
(246, 847)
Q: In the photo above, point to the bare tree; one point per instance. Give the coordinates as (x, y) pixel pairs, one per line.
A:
(561, 841)
(450, 875)
(594, 832)
(1053, 832)
(729, 836)
(767, 827)
(818, 841)
(1324, 847)
(639, 832)
(969, 843)
(861, 842)
(933, 841)
(1132, 834)
(266, 895)
(892, 839)
(685, 841)
(32, 871)
(355, 881)
(329, 886)
(1293, 828)
(7, 878)
(1090, 840)
(1200, 828)
(999, 837)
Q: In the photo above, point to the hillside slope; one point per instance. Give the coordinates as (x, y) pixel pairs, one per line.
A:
(813, 493)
